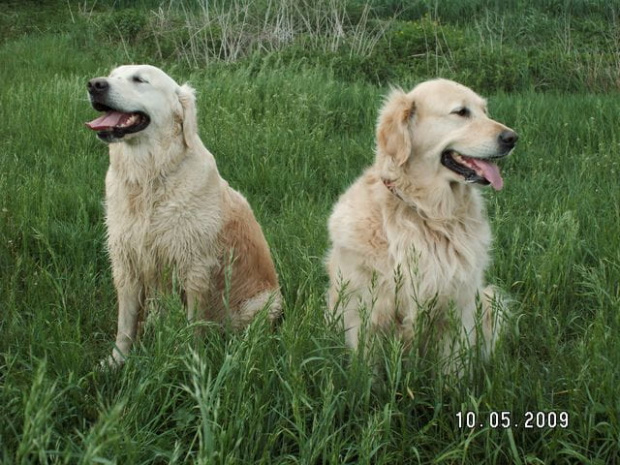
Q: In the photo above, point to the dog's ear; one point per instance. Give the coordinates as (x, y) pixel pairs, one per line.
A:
(189, 123)
(393, 136)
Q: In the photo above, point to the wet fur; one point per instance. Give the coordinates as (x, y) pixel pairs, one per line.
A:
(168, 211)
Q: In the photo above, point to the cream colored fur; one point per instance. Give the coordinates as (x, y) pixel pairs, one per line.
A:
(168, 212)
(421, 244)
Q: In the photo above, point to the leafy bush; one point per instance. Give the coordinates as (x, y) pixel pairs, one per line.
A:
(127, 24)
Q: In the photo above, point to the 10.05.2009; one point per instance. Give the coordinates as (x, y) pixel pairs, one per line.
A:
(529, 420)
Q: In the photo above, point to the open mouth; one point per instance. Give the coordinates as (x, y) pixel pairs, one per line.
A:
(475, 170)
(115, 124)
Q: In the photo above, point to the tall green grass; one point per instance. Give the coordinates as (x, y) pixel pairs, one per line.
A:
(292, 137)
(518, 45)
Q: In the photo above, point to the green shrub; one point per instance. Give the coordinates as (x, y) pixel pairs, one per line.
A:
(127, 24)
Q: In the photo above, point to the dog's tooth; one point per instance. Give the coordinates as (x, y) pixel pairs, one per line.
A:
(129, 121)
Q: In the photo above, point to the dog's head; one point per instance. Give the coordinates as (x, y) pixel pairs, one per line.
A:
(138, 99)
(441, 132)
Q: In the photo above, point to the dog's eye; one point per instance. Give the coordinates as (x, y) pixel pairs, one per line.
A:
(138, 79)
(463, 111)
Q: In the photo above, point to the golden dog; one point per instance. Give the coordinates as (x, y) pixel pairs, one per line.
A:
(411, 234)
(167, 208)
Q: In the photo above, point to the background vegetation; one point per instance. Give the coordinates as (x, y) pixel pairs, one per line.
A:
(288, 95)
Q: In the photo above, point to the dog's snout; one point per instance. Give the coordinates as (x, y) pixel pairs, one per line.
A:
(98, 86)
(508, 139)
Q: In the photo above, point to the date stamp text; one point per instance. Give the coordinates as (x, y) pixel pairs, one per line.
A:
(505, 420)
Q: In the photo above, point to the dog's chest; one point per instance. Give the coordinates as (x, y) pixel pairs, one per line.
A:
(155, 227)
(441, 260)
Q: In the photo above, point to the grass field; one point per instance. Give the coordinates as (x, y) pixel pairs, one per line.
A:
(291, 126)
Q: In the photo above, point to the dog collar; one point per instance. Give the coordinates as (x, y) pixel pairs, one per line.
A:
(391, 186)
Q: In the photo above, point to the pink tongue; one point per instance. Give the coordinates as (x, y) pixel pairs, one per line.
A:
(109, 120)
(490, 171)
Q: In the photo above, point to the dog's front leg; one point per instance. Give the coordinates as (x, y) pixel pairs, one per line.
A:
(196, 303)
(494, 313)
(477, 330)
(199, 290)
(130, 303)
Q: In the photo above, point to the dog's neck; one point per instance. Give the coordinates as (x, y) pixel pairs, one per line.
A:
(391, 186)
(430, 205)
(143, 163)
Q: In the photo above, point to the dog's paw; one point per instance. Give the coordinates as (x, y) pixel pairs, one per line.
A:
(113, 362)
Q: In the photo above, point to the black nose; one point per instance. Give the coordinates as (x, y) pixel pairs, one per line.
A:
(508, 139)
(98, 86)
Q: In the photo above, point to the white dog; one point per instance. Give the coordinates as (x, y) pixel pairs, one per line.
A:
(410, 237)
(169, 213)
